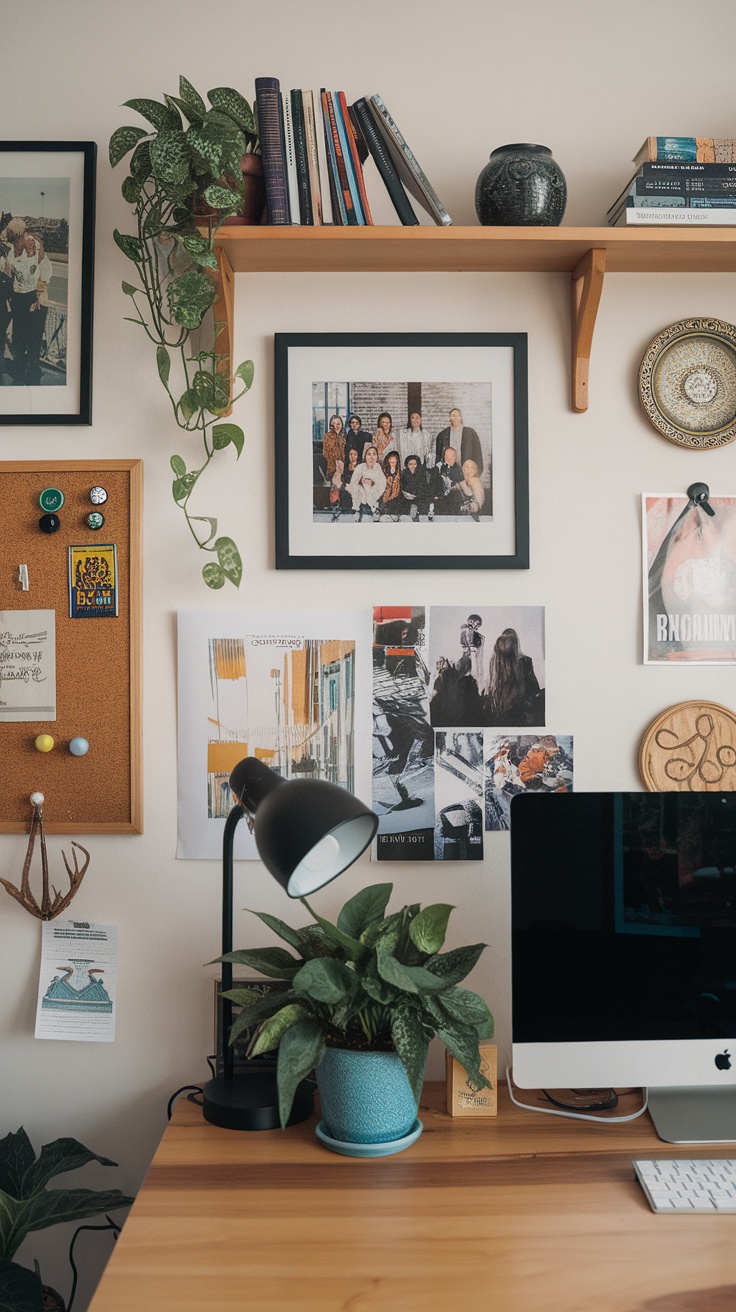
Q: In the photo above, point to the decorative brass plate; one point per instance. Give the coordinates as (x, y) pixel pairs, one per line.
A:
(687, 383)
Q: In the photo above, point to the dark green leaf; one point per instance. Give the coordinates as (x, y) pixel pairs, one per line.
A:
(193, 242)
(245, 372)
(273, 1030)
(57, 1157)
(52, 1206)
(129, 289)
(190, 296)
(380, 928)
(275, 962)
(221, 198)
(209, 153)
(130, 190)
(294, 937)
(189, 405)
(164, 364)
(410, 979)
(410, 1042)
(454, 966)
(178, 466)
(16, 1160)
(203, 384)
(427, 930)
(262, 1006)
(20, 1289)
(325, 980)
(181, 487)
(233, 104)
(130, 246)
(229, 558)
(351, 947)
(462, 1042)
(170, 157)
(377, 988)
(468, 1008)
(140, 161)
(204, 259)
(224, 434)
(152, 224)
(123, 140)
(366, 908)
(213, 575)
(191, 96)
(160, 116)
(300, 1051)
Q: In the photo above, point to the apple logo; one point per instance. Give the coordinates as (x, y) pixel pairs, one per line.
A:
(723, 1060)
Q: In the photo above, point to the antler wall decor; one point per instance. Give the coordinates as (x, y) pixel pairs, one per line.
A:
(50, 907)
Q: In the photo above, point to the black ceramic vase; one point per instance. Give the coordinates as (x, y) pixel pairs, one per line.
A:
(521, 185)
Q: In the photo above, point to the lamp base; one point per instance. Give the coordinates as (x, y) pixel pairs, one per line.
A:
(250, 1101)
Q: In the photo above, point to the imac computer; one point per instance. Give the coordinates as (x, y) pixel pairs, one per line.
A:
(624, 951)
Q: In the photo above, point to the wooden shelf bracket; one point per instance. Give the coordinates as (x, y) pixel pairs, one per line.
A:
(586, 287)
(224, 312)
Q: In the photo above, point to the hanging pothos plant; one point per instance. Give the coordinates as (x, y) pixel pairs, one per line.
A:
(185, 178)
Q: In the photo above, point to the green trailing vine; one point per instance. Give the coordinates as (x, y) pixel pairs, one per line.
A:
(185, 171)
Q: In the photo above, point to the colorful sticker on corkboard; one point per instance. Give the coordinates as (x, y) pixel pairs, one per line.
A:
(93, 581)
(690, 748)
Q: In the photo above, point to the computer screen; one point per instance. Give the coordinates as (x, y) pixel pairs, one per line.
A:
(624, 939)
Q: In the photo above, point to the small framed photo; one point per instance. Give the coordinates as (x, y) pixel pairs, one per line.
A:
(47, 233)
(401, 451)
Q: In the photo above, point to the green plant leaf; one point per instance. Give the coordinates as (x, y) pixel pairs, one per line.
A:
(209, 153)
(245, 372)
(204, 259)
(188, 404)
(130, 246)
(164, 365)
(213, 575)
(159, 116)
(170, 157)
(273, 1030)
(229, 558)
(275, 962)
(129, 289)
(206, 519)
(122, 141)
(294, 937)
(178, 466)
(224, 434)
(130, 190)
(410, 1042)
(377, 988)
(193, 242)
(467, 1007)
(300, 1050)
(203, 385)
(410, 979)
(20, 1289)
(152, 223)
(366, 908)
(259, 1009)
(462, 1042)
(325, 980)
(191, 96)
(222, 198)
(181, 487)
(454, 966)
(190, 296)
(16, 1160)
(57, 1157)
(380, 928)
(52, 1206)
(235, 106)
(353, 949)
(140, 161)
(427, 930)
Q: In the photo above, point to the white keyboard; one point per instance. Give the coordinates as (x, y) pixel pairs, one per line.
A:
(683, 1185)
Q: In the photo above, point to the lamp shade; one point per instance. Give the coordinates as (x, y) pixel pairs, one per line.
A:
(307, 831)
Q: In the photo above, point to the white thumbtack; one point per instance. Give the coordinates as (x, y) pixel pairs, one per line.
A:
(23, 577)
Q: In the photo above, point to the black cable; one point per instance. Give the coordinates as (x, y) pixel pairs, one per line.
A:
(111, 1225)
(196, 1088)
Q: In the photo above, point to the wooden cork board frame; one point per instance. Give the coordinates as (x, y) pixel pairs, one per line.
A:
(98, 661)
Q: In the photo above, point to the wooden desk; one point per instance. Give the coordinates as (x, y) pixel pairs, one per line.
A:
(523, 1213)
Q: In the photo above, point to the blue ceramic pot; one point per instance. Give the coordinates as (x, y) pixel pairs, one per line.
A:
(366, 1096)
(521, 186)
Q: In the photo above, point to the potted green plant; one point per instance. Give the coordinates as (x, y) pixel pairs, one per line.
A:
(26, 1205)
(186, 177)
(361, 1002)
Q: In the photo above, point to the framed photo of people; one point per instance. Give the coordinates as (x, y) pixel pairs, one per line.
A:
(47, 231)
(401, 451)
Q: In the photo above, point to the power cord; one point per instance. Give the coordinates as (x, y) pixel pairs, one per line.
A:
(195, 1088)
(111, 1225)
(576, 1116)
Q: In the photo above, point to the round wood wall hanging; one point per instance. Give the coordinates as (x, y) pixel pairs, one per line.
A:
(687, 383)
(690, 748)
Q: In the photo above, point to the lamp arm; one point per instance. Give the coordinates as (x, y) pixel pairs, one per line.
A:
(231, 824)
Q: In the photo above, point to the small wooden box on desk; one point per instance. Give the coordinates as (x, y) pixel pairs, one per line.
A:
(462, 1098)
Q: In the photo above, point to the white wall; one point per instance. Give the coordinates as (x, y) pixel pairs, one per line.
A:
(589, 80)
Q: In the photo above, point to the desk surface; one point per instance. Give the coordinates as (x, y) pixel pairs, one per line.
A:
(521, 1213)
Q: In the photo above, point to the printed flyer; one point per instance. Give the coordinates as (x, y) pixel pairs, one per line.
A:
(689, 589)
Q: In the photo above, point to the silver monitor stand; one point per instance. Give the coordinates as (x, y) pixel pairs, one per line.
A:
(685, 1114)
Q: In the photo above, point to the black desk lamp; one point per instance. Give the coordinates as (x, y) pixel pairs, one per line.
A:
(307, 832)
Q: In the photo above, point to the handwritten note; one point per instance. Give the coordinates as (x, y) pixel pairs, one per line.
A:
(27, 665)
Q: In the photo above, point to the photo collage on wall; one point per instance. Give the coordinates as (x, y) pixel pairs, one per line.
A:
(445, 681)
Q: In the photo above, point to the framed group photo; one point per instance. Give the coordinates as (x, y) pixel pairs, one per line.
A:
(401, 451)
(47, 231)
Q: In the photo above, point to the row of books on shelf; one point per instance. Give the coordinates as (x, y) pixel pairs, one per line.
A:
(314, 146)
(686, 181)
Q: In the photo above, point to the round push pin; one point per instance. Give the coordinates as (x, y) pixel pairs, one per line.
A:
(51, 499)
(49, 523)
(79, 747)
(95, 519)
(44, 742)
(98, 496)
(37, 799)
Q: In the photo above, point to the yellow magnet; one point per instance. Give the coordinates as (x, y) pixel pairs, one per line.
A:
(44, 742)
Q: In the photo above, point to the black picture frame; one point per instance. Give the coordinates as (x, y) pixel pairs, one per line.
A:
(48, 380)
(494, 364)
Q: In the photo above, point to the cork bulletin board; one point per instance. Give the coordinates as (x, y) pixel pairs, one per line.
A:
(98, 679)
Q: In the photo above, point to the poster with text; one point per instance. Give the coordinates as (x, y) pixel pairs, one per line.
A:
(689, 585)
(77, 981)
(292, 690)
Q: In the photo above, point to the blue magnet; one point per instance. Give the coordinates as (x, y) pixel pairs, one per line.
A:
(79, 747)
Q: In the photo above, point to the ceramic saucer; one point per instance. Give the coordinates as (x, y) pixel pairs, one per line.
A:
(368, 1149)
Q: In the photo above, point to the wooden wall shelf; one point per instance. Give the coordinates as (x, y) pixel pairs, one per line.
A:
(586, 254)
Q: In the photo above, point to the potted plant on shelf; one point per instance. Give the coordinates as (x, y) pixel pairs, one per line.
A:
(360, 1003)
(26, 1205)
(186, 177)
